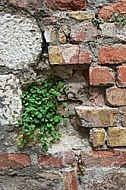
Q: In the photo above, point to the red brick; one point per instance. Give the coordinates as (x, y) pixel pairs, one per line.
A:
(83, 32)
(14, 161)
(121, 70)
(104, 158)
(48, 162)
(101, 76)
(56, 161)
(70, 180)
(107, 11)
(116, 96)
(90, 117)
(112, 54)
(28, 4)
(66, 5)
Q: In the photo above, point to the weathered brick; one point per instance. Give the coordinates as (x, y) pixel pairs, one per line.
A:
(107, 11)
(113, 31)
(96, 96)
(14, 161)
(66, 5)
(70, 180)
(85, 56)
(104, 158)
(81, 15)
(101, 76)
(116, 137)
(29, 4)
(121, 75)
(116, 96)
(97, 137)
(69, 54)
(56, 161)
(123, 116)
(87, 116)
(112, 55)
(83, 32)
(48, 162)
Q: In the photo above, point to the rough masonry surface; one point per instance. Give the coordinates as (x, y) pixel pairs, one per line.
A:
(20, 41)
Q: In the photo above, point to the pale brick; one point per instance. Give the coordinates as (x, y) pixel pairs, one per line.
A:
(116, 137)
(116, 96)
(97, 137)
(112, 55)
(69, 54)
(81, 15)
(123, 116)
(83, 32)
(113, 31)
(101, 76)
(95, 116)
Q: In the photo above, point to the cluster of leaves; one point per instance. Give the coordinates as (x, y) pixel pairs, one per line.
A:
(118, 19)
(96, 21)
(40, 116)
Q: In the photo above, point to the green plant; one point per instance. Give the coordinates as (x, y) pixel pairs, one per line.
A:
(40, 117)
(97, 21)
(118, 19)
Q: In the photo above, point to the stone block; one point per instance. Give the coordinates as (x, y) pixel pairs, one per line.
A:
(91, 117)
(101, 76)
(116, 137)
(116, 96)
(112, 55)
(81, 15)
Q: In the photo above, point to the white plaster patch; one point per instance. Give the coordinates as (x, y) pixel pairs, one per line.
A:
(20, 41)
(10, 99)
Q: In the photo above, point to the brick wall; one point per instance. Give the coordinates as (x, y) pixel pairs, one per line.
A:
(90, 57)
